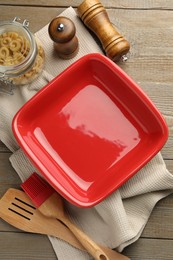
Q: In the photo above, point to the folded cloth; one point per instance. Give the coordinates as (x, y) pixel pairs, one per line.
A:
(120, 219)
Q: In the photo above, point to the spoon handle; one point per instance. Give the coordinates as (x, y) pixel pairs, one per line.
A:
(89, 244)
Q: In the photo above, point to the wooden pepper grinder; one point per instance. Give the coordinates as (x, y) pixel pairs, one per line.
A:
(95, 17)
(62, 31)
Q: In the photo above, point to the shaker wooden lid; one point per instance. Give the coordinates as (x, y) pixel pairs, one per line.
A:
(61, 29)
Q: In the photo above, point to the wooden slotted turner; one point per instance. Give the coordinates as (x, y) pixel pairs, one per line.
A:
(17, 209)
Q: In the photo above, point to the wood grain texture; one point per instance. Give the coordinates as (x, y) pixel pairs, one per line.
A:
(150, 57)
(125, 4)
(3, 148)
(95, 17)
(8, 176)
(161, 216)
(160, 223)
(36, 21)
(147, 25)
(25, 246)
(150, 249)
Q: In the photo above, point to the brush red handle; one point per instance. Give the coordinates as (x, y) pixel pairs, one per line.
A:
(50, 204)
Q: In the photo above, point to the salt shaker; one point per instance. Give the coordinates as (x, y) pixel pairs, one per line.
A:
(62, 31)
(95, 17)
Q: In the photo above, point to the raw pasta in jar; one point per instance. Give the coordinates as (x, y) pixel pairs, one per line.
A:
(21, 54)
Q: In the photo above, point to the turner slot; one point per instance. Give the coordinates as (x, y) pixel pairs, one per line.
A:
(25, 203)
(14, 204)
(17, 208)
(19, 214)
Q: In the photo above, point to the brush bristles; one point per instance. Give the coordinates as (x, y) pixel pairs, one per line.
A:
(37, 189)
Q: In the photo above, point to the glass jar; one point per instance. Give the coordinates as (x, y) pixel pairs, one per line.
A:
(21, 55)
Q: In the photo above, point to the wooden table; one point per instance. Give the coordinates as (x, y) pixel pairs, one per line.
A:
(148, 25)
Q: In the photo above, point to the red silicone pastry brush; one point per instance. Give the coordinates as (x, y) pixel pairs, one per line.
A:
(50, 204)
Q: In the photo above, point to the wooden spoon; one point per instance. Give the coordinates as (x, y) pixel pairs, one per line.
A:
(17, 209)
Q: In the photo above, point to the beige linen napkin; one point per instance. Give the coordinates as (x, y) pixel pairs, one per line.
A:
(117, 221)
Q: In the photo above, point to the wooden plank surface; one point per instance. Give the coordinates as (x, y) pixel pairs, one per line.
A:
(151, 56)
(125, 4)
(150, 249)
(148, 27)
(25, 246)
